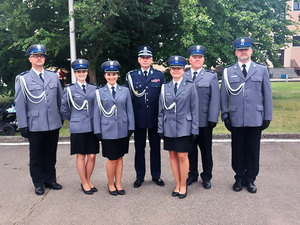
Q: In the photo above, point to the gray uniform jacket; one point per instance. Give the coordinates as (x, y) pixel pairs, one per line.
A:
(254, 104)
(207, 86)
(121, 121)
(81, 121)
(185, 121)
(42, 116)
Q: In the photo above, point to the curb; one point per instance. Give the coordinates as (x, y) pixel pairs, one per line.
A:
(19, 139)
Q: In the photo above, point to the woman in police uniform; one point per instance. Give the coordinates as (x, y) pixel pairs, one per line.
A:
(178, 122)
(113, 124)
(77, 106)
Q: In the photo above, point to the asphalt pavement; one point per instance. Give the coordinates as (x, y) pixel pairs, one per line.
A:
(277, 200)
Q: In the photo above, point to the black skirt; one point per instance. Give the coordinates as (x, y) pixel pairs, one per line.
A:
(114, 148)
(180, 144)
(84, 143)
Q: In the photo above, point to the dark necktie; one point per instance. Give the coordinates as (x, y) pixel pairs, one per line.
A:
(244, 70)
(83, 88)
(113, 92)
(145, 72)
(41, 76)
(175, 88)
(195, 75)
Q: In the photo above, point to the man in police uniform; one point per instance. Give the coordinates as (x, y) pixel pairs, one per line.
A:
(145, 84)
(38, 99)
(207, 86)
(246, 107)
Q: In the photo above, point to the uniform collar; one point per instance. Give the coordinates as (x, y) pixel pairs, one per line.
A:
(38, 72)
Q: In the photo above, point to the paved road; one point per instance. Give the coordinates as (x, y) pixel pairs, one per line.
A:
(276, 202)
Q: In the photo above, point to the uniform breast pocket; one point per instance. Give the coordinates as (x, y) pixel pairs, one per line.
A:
(156, 85)
(35, 89)
(256, 82)
(53, 89)
(203, 88)
(75, 119)
(138, 86)
(235, 82)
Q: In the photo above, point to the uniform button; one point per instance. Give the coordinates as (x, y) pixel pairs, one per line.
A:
(147, 99)
(146, 86)
(147, 106)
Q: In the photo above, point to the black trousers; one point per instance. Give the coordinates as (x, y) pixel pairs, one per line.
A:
(42, 155)
(245, 144)
(204, 142)
(140, 145)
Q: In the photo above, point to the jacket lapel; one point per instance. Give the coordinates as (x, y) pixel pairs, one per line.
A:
(108, 93)
(238, 71)
(47, 78)
(252, 70)
(79, 89)
(119, 91)
(35, 78)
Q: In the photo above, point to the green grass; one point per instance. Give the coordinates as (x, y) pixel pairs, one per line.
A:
(286, 110)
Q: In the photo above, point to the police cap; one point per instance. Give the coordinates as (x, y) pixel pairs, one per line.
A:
(80, 64)
(177, 61)
(197, 50)
(110, 66)
(145, 51)
(36, 49)
(243, 43)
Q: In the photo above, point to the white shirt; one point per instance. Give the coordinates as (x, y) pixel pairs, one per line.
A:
(38, 73)
(80, 85)
(198, 72)
(109, 86)
(148, 70)
(178, 83)
(247, 65)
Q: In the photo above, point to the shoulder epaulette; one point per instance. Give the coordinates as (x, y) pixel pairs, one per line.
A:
(188, 81)
(131, 71)
(23, 73)
(166, 82)
(260, 64)
(229, 65)
(91, 84)
(68, 85)
(157, 70)
(210, 71)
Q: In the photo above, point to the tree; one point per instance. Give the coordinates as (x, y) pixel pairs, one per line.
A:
(216, 23)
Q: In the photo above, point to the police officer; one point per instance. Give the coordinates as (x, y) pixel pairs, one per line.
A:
(145, 84)
(114, 124)
(246, 107)
(178, 122)
(78, 107)
(38, 99)
(207, 86)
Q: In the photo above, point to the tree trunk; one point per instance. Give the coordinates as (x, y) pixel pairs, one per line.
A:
(92, 72)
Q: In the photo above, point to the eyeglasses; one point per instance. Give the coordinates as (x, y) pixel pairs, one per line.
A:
(38, 56)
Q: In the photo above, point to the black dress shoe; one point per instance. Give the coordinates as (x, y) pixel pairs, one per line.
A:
(206, 184)
(191, 180)
(54, 186)
(121, 192)
(238, 185)
(158, 181)
(94, 189)
(175, 194)
(114, 193)
(181, 196)
(138, 183)
(89, 192)
(39, 190)
(251, 187)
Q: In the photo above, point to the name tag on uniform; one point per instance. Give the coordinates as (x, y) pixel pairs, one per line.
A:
(234, 76)
(168, 94)
(155, 80)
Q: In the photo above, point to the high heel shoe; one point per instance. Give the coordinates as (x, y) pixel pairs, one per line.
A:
(94, 189)
(114, 193)
(89, 192)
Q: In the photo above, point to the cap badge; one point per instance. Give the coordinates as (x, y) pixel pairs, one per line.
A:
(198, 47)
(111, 63)
(242, 41)
(80, 61)
(145, 48)
(176, 58)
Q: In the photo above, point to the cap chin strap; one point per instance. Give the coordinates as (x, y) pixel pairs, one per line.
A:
(162, 93)
(84, 106)
(102, 109)
(28, 95)
(229, 89)
(132, 88)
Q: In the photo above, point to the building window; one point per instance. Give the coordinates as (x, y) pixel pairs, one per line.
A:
(296, 5)
(296, 41)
